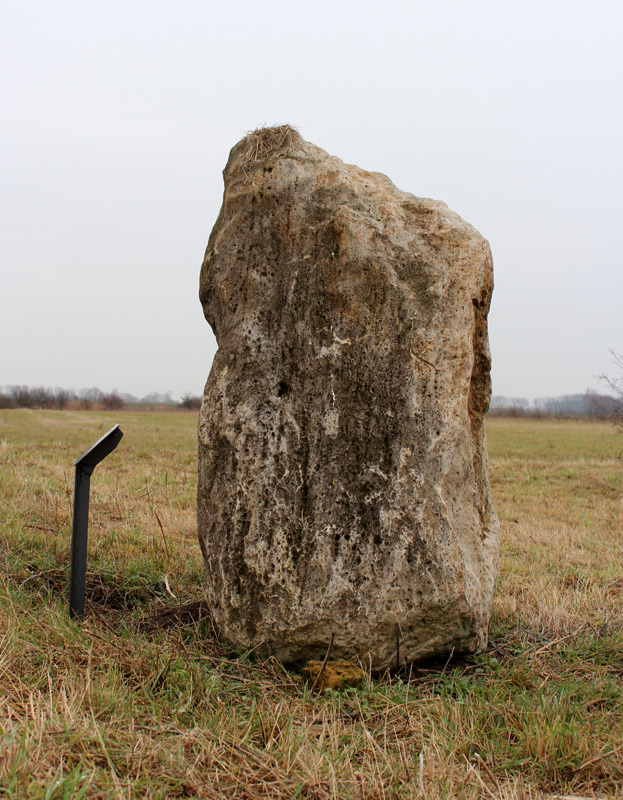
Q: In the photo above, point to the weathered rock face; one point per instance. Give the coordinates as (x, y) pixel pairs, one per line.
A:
(343, 483)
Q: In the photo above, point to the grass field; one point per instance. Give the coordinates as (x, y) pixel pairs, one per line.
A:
(129, 705)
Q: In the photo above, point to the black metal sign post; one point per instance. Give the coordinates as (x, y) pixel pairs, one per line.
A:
(85, 465)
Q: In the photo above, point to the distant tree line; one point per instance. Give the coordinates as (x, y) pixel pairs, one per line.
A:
(85, 399)
(589, 405)
(48, 398)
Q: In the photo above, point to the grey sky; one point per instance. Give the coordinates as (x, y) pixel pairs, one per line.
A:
(118, 118)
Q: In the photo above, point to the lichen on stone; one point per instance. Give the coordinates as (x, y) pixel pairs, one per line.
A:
(336, 675)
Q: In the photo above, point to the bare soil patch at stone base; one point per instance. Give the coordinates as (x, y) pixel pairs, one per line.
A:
(120, 708)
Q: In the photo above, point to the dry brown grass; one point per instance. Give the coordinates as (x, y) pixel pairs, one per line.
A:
(137, 702)
(270, 141)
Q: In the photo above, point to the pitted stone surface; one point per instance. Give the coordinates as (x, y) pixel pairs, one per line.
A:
(343, 481)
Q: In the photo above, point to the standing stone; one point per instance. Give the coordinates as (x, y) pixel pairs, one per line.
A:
(343, 480)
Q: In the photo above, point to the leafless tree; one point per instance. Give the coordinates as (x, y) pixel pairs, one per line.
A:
(61, 397)
(112, 401)
(191, 403)
(90, 396)
(6, 401)
(616, 384)
(42, 397)
(21, 395)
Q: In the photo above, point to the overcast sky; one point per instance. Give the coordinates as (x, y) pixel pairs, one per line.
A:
(118, 117)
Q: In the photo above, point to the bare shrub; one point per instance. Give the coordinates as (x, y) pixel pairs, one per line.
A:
(190, 402)
(112, 401)
(88, 397)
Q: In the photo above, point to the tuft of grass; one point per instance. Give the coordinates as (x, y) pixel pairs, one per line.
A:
(267, 141)
(142, 700)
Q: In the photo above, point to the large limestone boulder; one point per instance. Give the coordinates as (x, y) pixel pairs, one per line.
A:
(343, 488)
